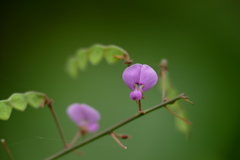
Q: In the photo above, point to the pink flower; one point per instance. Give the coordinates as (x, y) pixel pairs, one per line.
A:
(139, 78)
(84, 116)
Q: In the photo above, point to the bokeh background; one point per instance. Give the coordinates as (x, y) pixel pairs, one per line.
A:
(200, 39)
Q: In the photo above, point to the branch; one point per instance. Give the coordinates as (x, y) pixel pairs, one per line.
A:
(118, 125)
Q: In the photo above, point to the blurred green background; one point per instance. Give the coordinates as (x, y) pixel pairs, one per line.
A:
(200, 39)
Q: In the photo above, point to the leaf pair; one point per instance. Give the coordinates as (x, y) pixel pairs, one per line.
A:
(20, 101)
(94, 54)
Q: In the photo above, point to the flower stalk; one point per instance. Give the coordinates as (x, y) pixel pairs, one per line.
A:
(139, 106)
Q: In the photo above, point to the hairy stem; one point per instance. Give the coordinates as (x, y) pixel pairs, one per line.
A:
(111, 129)
(58, 124)
(7, 149)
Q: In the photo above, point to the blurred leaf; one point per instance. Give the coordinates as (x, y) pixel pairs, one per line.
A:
(96, 54)
(112, 51)
(171, 92)
(82, 59)
(72, 66)
(18, 101)
(181, 125)
(35, 99)
(5, 110)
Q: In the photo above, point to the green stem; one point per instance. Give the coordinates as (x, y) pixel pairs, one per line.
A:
(7, 149)
(110, 129)
(58, 125)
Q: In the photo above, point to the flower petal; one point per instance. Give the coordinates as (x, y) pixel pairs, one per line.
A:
(82, 114)
(148, 77)
(92, 127)
(136, 95)
(131, 75)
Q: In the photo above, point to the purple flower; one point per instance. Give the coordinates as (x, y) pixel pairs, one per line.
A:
(84, 116)
(139, 78)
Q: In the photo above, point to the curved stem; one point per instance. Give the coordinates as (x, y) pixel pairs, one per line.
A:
(110, 129)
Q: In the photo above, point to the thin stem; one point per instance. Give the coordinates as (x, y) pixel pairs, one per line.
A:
(110, 129)
(58, 124)
(139, 106)
(75, 138)
(7, 149)
(163, 84)
(188, 122)
(117, 140)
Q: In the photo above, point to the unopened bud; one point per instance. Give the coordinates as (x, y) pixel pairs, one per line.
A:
(124, 136)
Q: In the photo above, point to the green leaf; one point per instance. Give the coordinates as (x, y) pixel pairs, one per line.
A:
(18, 101)
(170, 90)
(72, 66)
(35, 99)
(82, 59)
(96, 54)
(181, 125)
(112, 51)
(5, 110)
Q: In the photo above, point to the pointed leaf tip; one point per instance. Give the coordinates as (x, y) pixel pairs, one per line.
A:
(18, 101)
(96, 53)
(35, 99)
(111, 52)
(5, 110)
